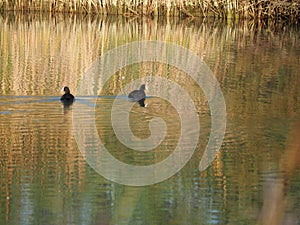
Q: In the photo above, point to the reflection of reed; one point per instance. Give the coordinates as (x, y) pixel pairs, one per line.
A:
(41, 54)
(38, 155)
(139, 124)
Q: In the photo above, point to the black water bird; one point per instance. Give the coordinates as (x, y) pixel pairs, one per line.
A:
(138, 95)
(67, 98)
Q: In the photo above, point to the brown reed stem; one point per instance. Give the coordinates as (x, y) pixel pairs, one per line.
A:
(262, 9)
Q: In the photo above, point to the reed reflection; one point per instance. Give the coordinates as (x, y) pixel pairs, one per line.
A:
(44, 176)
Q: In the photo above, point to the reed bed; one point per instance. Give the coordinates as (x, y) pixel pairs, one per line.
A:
(262, 9)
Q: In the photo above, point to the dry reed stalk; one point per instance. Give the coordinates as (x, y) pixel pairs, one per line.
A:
(265, 9)
(283, 9)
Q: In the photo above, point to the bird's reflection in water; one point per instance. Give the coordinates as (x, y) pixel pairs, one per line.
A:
(67, 104)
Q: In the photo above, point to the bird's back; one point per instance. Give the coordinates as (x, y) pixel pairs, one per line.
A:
(67, 97)
(137, 95)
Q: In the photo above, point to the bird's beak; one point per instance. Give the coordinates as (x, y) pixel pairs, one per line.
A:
(62, 90)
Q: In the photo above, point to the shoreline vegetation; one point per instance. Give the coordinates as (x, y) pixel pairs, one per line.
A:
(229, 9)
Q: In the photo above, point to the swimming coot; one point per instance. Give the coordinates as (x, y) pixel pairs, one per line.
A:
(138, 95)
(67, 98)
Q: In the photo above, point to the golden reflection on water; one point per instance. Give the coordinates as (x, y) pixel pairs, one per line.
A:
(139, 123)
(43, 174)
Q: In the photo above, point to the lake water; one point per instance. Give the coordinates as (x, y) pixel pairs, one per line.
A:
(46, 177)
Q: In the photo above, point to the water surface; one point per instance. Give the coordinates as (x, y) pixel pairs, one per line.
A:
(46, 180)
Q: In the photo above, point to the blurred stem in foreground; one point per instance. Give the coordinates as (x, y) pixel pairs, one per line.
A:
(275, 196)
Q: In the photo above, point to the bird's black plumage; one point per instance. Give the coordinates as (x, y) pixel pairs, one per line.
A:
(67, 98)
(138, 95)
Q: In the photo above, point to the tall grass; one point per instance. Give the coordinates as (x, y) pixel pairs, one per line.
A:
(266, 9)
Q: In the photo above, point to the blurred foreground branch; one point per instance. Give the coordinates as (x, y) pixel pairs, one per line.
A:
(275, 196)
